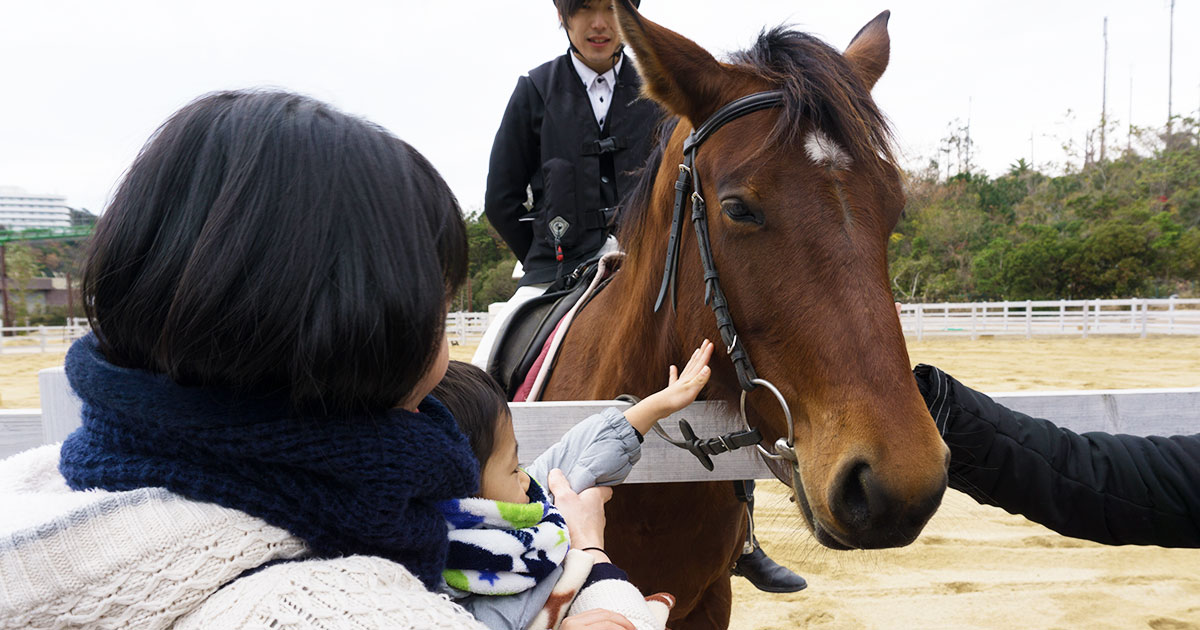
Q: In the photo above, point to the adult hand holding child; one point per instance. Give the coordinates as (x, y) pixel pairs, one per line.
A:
(584, 513)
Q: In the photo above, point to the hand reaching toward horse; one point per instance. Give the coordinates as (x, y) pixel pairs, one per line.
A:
(681, 391)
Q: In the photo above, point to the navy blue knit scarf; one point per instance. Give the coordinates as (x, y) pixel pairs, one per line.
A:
(352, 485)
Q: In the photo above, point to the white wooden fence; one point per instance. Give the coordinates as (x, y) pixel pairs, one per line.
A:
(35, 339)
(1080, 318)
(538, 425)
(463, 328)
(1171, 316)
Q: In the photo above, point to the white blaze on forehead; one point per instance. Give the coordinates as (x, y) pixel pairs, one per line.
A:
(823, 150)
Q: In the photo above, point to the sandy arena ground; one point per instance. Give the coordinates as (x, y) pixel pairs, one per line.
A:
(974, 567)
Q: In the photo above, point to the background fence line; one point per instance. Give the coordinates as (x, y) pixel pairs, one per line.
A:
(1080, 318)
(35, 339)
(1135, 316)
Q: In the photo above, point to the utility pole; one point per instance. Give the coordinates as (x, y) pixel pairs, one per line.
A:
(970, 103)
(1171, 71)
(1104, 97)
(1129, 136)
(70, 300)
(6, 322)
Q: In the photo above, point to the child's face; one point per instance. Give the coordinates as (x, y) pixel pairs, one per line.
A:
(501, 479)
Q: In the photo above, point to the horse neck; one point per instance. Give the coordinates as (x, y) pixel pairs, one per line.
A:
(621, 345)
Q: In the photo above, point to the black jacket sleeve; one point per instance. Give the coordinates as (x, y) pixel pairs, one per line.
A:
(512, 164)
(1113, 489)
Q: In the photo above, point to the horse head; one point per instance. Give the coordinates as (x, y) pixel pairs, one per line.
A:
(801, 200)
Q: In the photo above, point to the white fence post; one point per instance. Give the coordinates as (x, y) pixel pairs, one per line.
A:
(1171, 315)
(920, 322)
(1145, 316)
(1028, 319)
(1087, 309)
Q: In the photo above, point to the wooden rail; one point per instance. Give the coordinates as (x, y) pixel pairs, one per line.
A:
(1081, 318)
(36, 339)
(463, 327)
(538, 425)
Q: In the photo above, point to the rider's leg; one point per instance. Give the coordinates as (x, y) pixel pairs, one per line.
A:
(754, 564)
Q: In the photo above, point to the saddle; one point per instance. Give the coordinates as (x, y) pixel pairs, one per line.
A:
(531, 325)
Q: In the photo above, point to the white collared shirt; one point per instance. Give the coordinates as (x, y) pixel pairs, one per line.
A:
(599, 86)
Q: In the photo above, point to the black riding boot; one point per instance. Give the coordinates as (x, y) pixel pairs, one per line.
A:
(754, 564)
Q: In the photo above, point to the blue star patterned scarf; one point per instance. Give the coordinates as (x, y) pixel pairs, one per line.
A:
(499, 548)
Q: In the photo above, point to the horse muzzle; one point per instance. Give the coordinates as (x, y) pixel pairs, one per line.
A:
(863, 511)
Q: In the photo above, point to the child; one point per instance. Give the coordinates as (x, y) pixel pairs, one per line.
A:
(508, 563)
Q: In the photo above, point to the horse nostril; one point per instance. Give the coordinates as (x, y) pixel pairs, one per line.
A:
(854, 505)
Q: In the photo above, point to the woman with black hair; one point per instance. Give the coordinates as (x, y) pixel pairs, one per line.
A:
(268, 293)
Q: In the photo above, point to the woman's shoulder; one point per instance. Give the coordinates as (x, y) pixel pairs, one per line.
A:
(143, 555)
(350, 592)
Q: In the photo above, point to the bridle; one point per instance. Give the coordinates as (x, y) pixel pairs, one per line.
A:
(689, 177)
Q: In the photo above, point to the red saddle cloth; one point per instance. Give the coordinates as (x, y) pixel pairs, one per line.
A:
(608, 265)
(522, 394)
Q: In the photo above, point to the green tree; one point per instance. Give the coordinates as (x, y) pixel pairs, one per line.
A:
(21, 265)
(494, 284)
(1121, 227)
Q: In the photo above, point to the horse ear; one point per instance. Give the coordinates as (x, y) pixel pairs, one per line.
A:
(869, 51)
(675, 71)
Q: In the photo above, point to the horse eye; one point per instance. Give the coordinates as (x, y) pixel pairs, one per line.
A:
(738, 211)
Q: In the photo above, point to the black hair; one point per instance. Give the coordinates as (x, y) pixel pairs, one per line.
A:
(477, 403)
(568, 8)
(265, 242)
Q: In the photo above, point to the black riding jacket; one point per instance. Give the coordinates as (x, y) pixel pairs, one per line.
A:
(549, 141)
(1113, 489)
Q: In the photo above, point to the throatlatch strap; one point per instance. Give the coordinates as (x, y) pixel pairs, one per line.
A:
(681, 187)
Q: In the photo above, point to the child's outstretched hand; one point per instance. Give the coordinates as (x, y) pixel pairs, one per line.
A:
(681, 391)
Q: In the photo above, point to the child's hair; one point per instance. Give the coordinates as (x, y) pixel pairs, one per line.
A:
(477, 404)
(268, 243)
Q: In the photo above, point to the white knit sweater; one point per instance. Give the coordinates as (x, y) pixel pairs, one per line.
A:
(152, 559)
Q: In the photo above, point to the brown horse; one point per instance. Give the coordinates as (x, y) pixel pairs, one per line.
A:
(801, 201)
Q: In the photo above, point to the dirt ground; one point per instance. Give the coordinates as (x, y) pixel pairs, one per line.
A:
(18, 378)
(974, 567)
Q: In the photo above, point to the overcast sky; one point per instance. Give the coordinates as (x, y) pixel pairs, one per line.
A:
(84, 82)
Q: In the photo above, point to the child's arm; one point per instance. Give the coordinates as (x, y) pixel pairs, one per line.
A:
(681, 391)
(602, 449)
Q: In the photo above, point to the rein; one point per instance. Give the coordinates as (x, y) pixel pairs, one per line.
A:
(689, 177)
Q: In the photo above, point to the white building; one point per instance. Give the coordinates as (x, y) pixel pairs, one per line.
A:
(20, 210)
